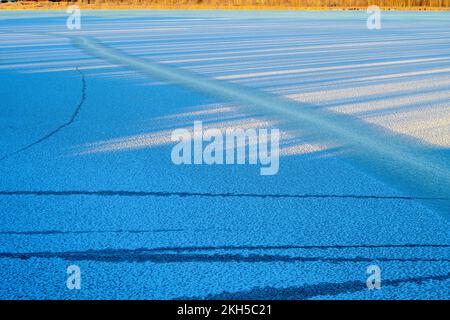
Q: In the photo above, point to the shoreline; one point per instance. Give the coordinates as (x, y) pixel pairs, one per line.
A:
(19, 6)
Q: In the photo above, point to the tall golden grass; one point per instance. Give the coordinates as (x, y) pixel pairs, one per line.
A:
(416, 4)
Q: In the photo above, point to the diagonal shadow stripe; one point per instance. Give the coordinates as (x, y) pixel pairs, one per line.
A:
(398, 160)
(313, 290)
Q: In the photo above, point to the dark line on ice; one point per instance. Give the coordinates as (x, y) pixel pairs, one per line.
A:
(56, 232)
(64, 125)
(122, 193)
(144, 255)
(314, 290)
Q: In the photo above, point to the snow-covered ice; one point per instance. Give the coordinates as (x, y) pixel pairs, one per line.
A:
(86, 176)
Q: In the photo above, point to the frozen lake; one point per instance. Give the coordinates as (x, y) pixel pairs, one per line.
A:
(86, 176)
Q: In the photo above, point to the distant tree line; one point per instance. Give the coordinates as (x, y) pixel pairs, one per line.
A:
(271, 3)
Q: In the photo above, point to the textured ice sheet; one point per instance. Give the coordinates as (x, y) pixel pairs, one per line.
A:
(317, 244)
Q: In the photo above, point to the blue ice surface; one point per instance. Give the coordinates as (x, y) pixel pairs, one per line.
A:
(169, 247)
